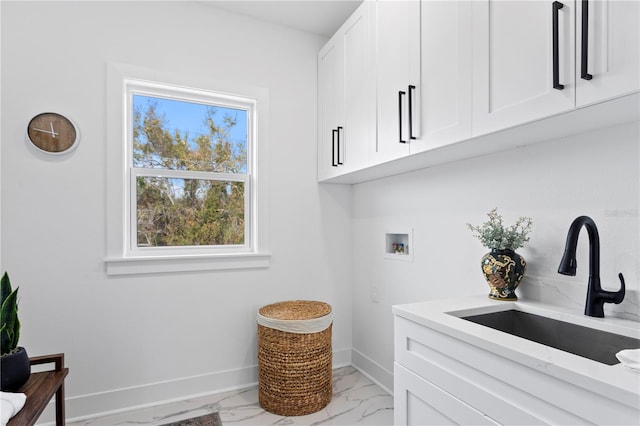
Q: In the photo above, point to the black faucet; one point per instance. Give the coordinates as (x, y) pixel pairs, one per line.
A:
(596, 296)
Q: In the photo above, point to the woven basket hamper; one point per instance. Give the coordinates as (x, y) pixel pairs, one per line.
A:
(294, 357)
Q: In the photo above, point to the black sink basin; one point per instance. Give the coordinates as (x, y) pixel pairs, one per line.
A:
(586, 342)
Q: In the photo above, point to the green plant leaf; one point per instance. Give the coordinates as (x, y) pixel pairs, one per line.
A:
(10, 325)
(494, 235)
(5, 287)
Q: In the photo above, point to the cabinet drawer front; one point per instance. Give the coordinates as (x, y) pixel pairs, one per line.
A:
(419, 402)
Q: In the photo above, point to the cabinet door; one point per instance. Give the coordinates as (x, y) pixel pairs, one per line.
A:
(346, 91)
(446, 73)
(358, 136)
(330, 106)
(513, 62)
(608, 49)
(398, 68)
(419, 402)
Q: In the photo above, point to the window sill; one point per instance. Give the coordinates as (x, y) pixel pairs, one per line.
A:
(163, 264)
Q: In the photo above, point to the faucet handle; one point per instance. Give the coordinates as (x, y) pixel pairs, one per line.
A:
(618, 296)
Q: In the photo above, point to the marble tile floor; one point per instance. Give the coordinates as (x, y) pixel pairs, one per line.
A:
(356, 401)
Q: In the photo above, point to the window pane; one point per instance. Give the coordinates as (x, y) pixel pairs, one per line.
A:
(189, 212)
(180, 135)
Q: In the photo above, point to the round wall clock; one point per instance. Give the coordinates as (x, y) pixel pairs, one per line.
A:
(53, 133)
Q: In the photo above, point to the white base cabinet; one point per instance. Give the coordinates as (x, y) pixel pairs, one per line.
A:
(420, 402)
(439, 379)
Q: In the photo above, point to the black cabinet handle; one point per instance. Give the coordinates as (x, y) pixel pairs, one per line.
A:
(339, 130)
(556, 60)
(400, 95)
(333, 147)
(411, 89)
(585, 41)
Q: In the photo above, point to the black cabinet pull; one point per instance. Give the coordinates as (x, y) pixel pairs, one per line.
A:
(333, 147)
(411, 89)
(400, 95)
(556, 60)
(339, 148)
(585, 41)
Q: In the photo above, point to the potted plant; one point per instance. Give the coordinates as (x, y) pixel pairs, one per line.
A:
(502, 267)
(14, 361)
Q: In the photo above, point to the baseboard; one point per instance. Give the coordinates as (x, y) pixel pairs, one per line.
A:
(374, 371)
(137, 397)
(341, 358)
(116, 401)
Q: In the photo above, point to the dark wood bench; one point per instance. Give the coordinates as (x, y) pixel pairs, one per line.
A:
(40, 388)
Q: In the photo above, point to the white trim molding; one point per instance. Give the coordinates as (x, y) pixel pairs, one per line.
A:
(115, 401)
(119, 259)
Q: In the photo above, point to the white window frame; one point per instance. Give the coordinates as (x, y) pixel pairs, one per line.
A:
(124, 257)
(156, 90)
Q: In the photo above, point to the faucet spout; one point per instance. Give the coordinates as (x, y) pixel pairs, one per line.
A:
(596, 296)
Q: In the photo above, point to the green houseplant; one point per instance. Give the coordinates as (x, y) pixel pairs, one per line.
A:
(502, 267)
(14, 360)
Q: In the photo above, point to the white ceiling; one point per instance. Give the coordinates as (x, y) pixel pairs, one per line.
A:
(321, 17)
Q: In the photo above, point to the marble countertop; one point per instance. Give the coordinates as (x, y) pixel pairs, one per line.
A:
(612, 381)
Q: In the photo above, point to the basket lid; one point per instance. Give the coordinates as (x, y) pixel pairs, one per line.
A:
(295, 310)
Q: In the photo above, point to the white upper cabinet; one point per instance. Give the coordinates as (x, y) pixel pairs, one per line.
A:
(359, 89)
(528, 65)
(523, 62)
(398, 77)
(608, 43)
(404, 77)
(329, 95)
(346, 97)
(446, 73)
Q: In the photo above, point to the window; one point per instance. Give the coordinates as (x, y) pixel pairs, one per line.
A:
(190, 169)
(189, 192)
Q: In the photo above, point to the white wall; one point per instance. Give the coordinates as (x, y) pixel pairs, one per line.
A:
(140, 339)
(132, 340)
(553, 182)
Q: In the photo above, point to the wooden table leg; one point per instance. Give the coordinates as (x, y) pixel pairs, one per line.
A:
(60, 418)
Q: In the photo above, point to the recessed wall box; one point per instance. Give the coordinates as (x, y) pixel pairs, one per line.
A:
(399, 245)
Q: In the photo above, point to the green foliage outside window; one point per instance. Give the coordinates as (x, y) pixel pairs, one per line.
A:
(187, 211)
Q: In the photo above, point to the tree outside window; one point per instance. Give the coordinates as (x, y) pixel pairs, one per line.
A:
(190, 171)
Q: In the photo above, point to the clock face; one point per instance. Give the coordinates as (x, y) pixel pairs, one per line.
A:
(52, 133)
